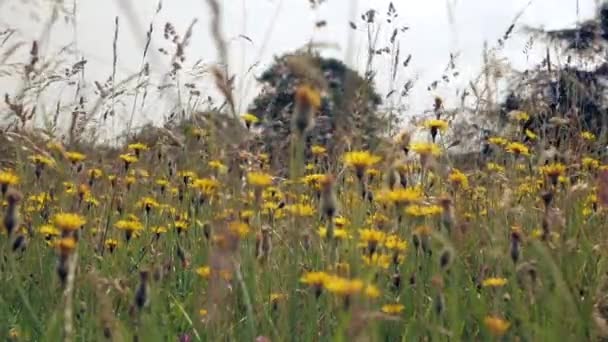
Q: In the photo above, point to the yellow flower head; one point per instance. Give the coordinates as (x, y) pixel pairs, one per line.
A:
(314, 278)
(300, 210)
(75, 157)
(95, 173)
(342, 286)
(494, 282)
(308, 96)
(497, 326)
(111, 244)
(494, 167)
(66, 245)
(8, 177)
(259, 179)
(41, 159)
(218, 166)
(517, 148)
(128, 158)
(138, 147)
(520, 116)
(392, 309)
(68, 221)
(393, 242)
(48, 231)
(129, 225)
(553, 169)
(339, 233)
(204, 271)
(206, 186)
(590, 163)
(498, 141)
(405, 196)
(371, 235)
(238, 228)
(588, 136)
(360, 160)
(318, 150)
(378, 260)
(531, 135)
(423, 210)
(457, 177)
(250, 119)
(426, 149)
(436, 125)
(147, 203)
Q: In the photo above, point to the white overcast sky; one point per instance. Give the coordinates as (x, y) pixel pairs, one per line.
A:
(290, 23)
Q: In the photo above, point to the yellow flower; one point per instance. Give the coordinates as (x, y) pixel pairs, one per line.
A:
(553, 170)
(147, 203)
(392, 309)
(494, 167)
(314, 278)
(494, 282)
(130, 225)
(206, 186)
(307, 95)
(339, 233)
(300, 210)
(40, 159)
(181, 226)
(111, 244)
(517, 148)
(8, 178)
(68, 221)
(590, 163)
(259, 179)
(95, 173)
(360, 160)
(457, 177)
(277, 297)
(48, 231)
(371, 236)
(318, 150)
(498, 141)
(204, 271)
(158, 230)
(66, 245)
(588, 136)
(393, 242)
(128, 158)
(436, 125)
(75, 157)
(423, 210)
(137, 147)
(378, 260)
(520, 116)
(531, 135)
(218, 166)
(240, 229)
(426, 149)
(341, 221)
(342, 286)
(497, 326)
(371, 291)
(250, 119)
(187, 175)
(405, 196)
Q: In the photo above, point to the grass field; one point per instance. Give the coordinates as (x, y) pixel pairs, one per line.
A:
(370, 246)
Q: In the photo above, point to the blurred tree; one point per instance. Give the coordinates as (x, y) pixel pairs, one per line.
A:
(572, 95)
(348, 112)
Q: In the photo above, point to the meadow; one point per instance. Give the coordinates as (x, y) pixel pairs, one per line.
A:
(203, 231)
